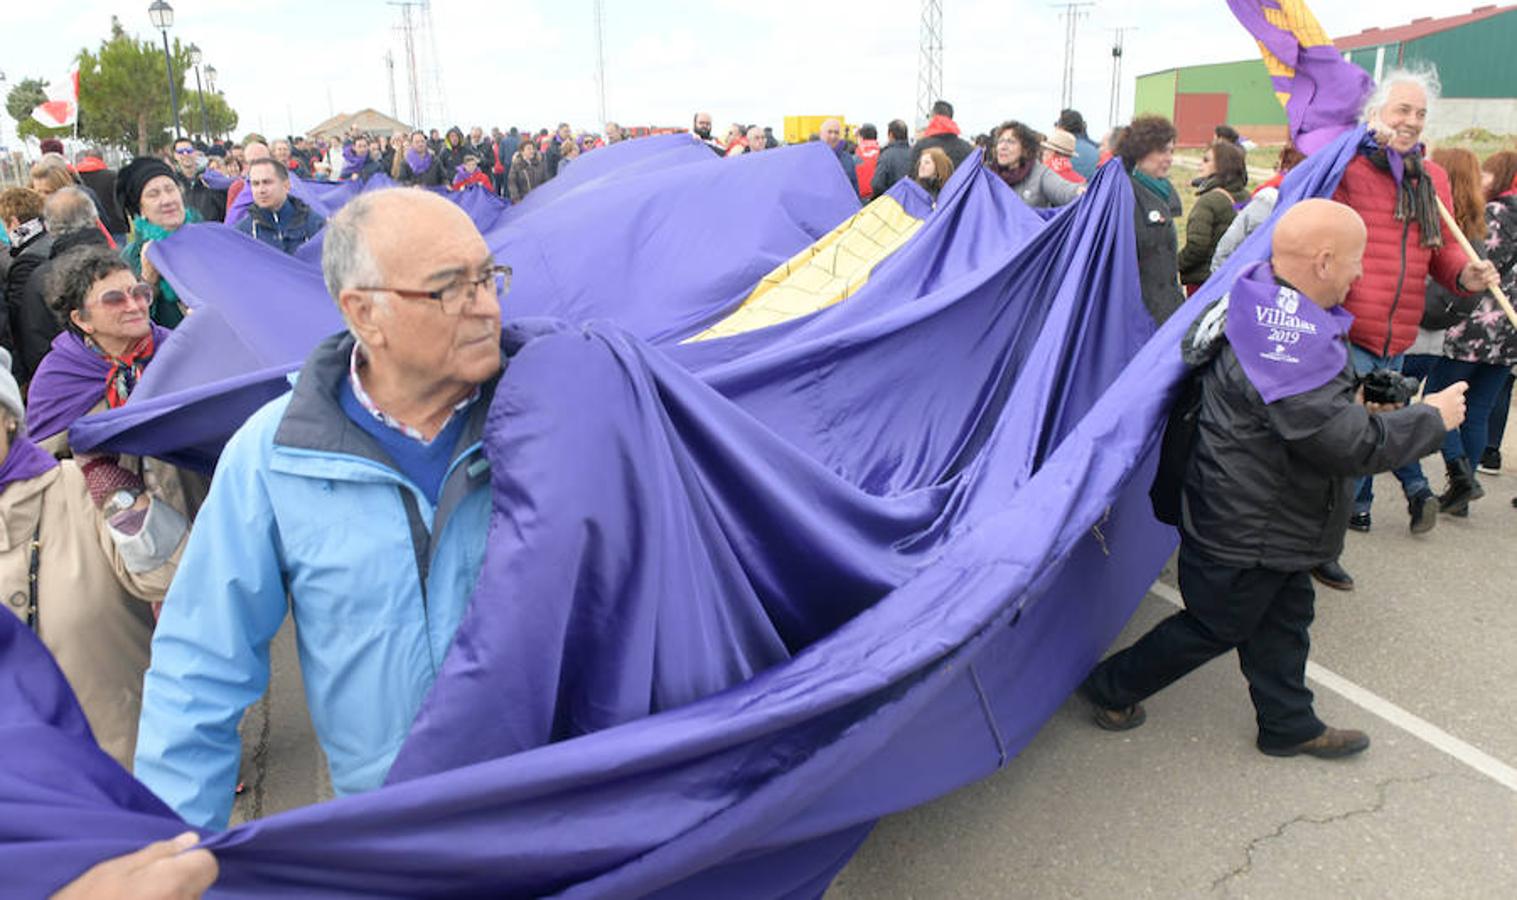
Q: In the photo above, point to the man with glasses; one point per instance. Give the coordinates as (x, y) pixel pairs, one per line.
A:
(359, 502)
(199, 196)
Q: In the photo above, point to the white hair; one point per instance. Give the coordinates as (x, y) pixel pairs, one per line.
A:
(68, 210)
(1424, 78)
(347, 261)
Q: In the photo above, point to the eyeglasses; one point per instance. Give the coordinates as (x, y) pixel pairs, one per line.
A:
(115, 299)
(184, 151)
(457, 295)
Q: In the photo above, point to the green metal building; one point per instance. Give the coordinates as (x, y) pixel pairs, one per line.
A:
(1475, 55)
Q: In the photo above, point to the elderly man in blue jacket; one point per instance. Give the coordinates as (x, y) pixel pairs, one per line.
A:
(278, 218)
(358, 503)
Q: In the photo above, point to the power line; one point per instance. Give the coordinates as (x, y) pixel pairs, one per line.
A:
(1072, 14)
(930, 60)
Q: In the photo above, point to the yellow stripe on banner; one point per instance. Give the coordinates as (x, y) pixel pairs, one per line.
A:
(825, 273)
(1294, 17)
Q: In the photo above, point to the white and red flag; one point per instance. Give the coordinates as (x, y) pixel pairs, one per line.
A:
(61, 109)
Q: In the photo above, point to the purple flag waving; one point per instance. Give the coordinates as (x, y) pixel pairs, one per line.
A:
(882, 620)
(1321, 91)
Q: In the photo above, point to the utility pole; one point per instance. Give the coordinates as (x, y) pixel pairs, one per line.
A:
(1114, 114)
(390, 70)
(408, 40)
(1072, 14)
(930, 60)
(600, 57)
(434, 98)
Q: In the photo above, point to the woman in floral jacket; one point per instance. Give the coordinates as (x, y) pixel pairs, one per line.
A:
(1482, 348)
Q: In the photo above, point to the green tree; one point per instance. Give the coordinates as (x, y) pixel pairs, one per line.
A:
(123, 91)
(19, 103)
(218, 112)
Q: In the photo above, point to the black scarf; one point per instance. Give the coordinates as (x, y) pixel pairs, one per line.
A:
(1416, 199)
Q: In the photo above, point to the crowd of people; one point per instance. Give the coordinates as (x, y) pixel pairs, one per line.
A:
(382, 426)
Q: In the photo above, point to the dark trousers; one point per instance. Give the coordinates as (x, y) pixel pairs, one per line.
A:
(1262, 613)
(1498, 415)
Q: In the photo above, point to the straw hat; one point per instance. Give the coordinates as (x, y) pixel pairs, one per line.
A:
(1061, 142)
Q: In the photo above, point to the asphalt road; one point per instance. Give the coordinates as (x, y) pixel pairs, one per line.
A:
(1185, 806)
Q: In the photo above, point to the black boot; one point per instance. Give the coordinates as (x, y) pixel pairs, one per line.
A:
(1424, 511)
(1334, 576)
(1455, 499)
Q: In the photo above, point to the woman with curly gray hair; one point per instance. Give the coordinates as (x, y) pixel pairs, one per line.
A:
(108, 339)
(1013, 157)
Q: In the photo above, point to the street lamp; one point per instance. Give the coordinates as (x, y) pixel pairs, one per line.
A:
(162, 17)
(210, 80)
(205, 123)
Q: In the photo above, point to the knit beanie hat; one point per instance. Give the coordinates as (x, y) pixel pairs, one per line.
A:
(133, 178)
(10, 392)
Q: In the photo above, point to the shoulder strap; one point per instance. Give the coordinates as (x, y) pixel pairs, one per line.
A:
(31, 577)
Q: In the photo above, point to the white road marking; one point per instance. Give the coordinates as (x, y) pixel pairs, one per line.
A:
(1412, 724)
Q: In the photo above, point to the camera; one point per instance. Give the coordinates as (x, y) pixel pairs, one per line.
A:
(1389, 387)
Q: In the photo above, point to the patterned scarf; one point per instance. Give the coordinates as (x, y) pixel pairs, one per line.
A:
(125, 370)
(1416, 199)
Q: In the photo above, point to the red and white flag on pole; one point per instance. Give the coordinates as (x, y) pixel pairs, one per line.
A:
(61, 109)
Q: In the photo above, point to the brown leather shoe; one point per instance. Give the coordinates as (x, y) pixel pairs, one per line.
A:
(1334, 743)
(1120, 719)
(1125, 719)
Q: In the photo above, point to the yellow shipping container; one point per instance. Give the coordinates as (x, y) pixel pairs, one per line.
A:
(799, 129)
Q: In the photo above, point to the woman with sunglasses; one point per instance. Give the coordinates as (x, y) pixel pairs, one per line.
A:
(95, 363)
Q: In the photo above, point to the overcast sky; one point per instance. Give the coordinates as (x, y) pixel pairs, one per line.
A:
(285, 65)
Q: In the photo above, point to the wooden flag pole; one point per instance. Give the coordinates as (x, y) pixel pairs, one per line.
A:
(1464, 244)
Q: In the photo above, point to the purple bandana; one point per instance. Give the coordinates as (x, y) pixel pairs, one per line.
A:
(24, 462)
(418, 162)
(1287, 344)
(1397, 160)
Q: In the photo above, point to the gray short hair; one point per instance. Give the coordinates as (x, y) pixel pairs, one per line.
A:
(68, 210)
(1423, 77)
(346, 259)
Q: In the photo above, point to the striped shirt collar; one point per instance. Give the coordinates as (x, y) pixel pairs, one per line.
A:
(357, 361)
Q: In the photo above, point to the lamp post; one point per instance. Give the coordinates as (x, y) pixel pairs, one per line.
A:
(205, 122)
(162, 16)
(210, 80)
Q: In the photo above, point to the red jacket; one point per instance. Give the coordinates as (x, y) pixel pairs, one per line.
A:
(1063, 167)
(1390, 296)
(869, 158)
(479, 179)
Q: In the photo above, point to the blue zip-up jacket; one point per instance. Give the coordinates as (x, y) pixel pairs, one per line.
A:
(293, 225)
(1087, 156)
(305, 505)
